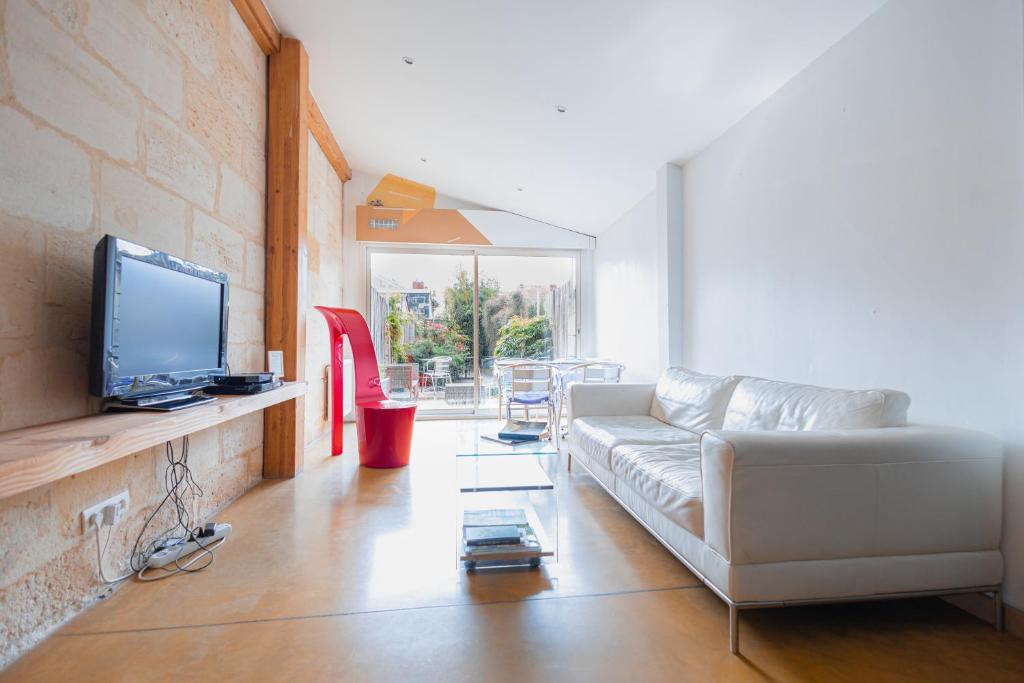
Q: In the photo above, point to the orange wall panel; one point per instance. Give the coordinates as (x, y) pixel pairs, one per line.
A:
(422, 226)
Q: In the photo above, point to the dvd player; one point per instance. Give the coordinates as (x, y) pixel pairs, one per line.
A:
(235, 389)
(249, 378)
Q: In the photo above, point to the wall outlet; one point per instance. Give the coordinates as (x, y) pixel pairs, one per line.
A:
(111, 511)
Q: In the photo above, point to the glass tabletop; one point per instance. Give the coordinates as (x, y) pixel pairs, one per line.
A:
(471, 443)
(492, 448)
(483, 473)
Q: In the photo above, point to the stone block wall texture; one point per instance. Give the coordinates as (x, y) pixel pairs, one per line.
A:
(144, 119)
(324, 280)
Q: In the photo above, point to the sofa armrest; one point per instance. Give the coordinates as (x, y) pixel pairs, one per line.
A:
(788, 496)
(609, 399)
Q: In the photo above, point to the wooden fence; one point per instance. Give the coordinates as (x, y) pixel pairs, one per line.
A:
(560, 305)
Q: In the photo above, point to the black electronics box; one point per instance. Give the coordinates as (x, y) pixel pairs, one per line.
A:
(235, 389)
(251, 378)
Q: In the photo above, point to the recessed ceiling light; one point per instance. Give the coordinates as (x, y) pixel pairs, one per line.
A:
(560, 109)
(408, 60)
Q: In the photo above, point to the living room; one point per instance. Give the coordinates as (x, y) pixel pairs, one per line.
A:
(746, 268)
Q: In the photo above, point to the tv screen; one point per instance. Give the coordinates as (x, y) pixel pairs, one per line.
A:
(169, 321)
(159, 322)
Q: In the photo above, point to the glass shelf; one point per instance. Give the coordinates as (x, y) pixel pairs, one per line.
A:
(502, 473)
(510, 481)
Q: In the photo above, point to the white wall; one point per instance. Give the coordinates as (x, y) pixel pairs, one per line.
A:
(626, 302)
(863, 227)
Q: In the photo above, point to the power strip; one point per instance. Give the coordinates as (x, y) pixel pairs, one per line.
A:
(170, 554)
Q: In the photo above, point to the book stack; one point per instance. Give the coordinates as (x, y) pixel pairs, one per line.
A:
(499, 536)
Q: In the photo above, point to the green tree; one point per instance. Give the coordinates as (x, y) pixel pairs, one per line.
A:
(524, 338)
(495, 314)
(458, 308)
(394, 324)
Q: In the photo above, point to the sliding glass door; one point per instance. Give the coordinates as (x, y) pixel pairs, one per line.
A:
(527, 312)
(446, 321)
(421, 316)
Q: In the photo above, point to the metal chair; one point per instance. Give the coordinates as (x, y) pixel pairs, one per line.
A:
(437, 369)
(502, 377)
(528, 384)
(591, 372)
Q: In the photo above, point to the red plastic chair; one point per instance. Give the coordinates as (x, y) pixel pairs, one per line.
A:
(383, 427)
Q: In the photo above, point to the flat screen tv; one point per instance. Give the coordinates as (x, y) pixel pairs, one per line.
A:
(159, 323)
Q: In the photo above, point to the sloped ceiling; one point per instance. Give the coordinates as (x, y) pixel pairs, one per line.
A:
(643, 82)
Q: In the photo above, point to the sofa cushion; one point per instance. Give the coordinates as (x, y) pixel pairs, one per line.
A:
(595, 436)
(690, 400)
(667, 477)
(764, 405)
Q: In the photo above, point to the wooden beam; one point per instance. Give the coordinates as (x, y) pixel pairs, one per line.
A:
(325, 138)
(287, 167)
(260, 24)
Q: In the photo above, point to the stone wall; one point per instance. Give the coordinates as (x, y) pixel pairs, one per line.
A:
(324, 283)
(145, 120)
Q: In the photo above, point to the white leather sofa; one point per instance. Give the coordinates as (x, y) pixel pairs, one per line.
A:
(777, 494)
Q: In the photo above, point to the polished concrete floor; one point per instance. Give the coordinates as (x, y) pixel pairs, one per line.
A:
(349, 574)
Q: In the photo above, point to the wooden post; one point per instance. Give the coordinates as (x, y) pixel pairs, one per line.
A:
(287, 166)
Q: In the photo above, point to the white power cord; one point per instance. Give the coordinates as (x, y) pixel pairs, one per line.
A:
(100, 553)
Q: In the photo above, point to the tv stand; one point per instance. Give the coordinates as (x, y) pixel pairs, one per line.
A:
(162, 402)
(34, 456)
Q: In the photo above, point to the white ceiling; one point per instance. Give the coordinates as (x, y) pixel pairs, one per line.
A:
(644, 82)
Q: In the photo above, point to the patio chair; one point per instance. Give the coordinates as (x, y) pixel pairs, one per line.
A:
(591, 372)
(502, 376)
(527, 385)
(437, 369)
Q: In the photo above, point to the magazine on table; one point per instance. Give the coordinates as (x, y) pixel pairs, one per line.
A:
(528, 544)
(494, 517)
(493, 535)
(496, 531)
(521, 430)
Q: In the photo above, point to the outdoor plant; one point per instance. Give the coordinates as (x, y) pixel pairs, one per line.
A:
(394, 322)
(458, 307)
(435, 338)
(524, 338)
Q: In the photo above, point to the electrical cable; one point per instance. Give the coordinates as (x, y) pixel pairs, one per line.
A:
(204, 551)
(101, 553)
(182, 492)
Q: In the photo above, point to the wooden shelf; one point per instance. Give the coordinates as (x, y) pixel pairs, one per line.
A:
(35, 456)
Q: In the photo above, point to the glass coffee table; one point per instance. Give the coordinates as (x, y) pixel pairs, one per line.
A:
(507, 506)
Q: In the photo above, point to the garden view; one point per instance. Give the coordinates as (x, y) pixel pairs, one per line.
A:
(509, 327)
(422, 312)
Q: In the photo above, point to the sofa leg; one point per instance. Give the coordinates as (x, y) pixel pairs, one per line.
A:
(568, 460)
(734, 629)
(1000, 622)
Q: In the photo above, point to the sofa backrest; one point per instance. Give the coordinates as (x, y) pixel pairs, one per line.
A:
(764, 405)
(690, 400)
